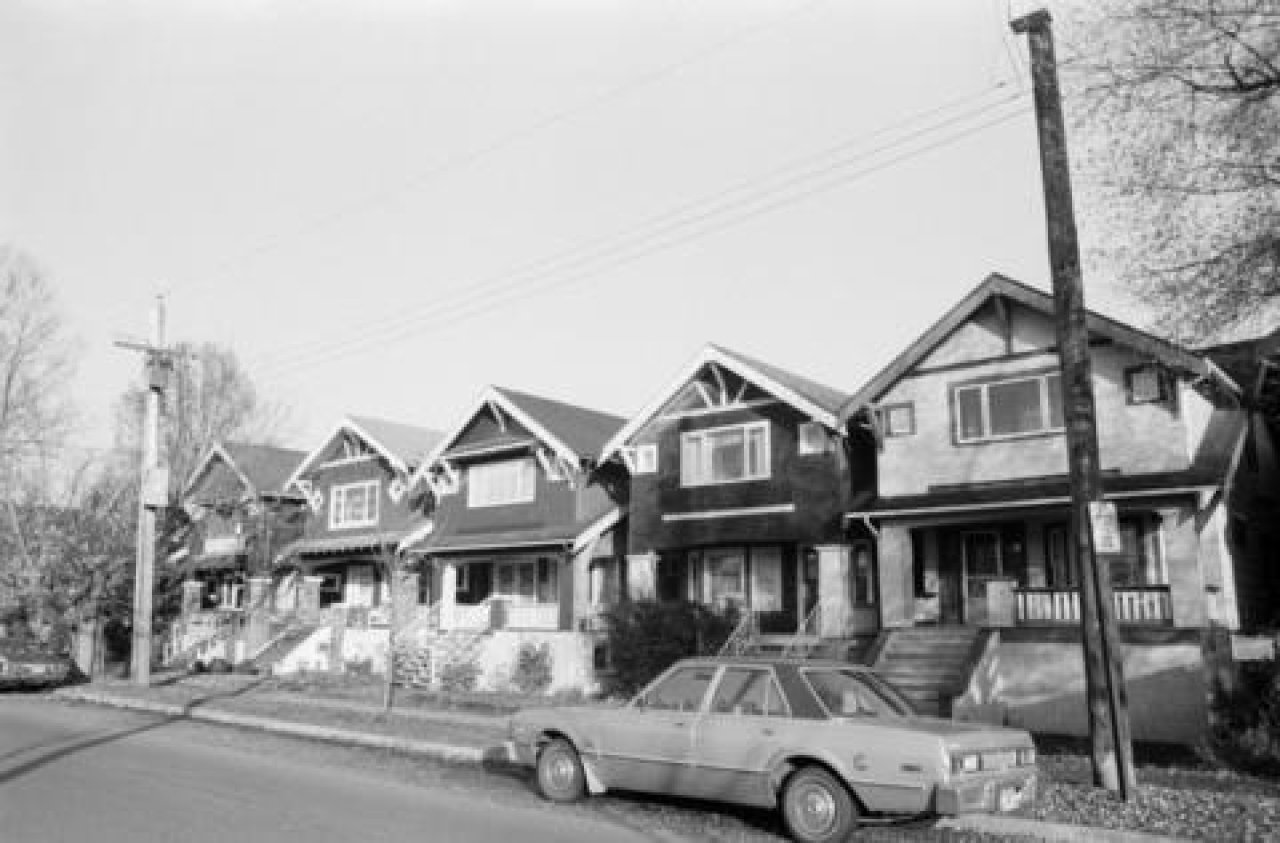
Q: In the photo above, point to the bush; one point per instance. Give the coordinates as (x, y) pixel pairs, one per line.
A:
(646, 636)
(532, 672)
(1246, 723)
(459, 675)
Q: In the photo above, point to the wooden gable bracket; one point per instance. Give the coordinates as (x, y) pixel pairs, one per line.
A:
(1006, 321)
(569, 471)
(724, 388)
(498, 415)
(550, 464)
(704, 391)
(446, 480)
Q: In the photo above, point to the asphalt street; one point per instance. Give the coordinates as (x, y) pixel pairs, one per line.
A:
(82, 773)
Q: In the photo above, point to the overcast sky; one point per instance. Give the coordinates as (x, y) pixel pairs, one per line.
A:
(385, 206)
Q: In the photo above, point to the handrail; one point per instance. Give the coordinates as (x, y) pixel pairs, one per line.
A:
(812, 620)
(742, 637)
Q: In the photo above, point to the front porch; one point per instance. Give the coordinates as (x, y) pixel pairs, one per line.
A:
(1017, 568)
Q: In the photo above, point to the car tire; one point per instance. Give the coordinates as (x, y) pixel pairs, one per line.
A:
(559, 772)
(817, 807)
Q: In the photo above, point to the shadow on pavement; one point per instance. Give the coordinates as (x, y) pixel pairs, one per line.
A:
(79, 746)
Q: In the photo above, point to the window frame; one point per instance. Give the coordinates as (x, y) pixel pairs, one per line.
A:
(1164, 387)
(642, 700)
(886, 415)
(337, 505)
(772, 692)
(1044, 377)
(703, 435)
(486, 469)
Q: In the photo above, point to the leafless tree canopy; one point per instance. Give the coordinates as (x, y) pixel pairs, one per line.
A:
(210, 398)
(36, 359)
(1178, 109)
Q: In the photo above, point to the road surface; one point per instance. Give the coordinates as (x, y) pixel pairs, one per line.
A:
(96, 775)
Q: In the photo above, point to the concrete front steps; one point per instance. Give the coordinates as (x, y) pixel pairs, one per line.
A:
(929, 665)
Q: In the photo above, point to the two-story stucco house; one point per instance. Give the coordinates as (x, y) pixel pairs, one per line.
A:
(972, 507)
(740, 476)
(525, 543)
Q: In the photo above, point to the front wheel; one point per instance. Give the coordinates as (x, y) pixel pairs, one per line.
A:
(560, 774)
(817, 808)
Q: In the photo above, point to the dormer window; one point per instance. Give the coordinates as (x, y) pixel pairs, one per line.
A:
(730, 454)
(502, 483)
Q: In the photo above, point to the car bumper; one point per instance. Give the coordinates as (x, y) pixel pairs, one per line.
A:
(1008, 793)
(519, 752)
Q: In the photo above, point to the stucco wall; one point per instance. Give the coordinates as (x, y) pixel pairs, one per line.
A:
(571, 659)
(1138, 438)
(1040, 686)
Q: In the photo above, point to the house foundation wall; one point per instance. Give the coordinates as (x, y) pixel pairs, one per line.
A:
(1040, 686)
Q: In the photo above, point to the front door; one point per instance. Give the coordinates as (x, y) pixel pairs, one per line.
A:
(980, 551)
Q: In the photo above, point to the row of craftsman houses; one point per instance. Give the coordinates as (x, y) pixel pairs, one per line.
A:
(918, 523)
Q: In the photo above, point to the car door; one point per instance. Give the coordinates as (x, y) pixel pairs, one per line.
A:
(737, 736)
(651, 746)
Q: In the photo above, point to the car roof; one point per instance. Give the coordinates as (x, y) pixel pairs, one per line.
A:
(776, 661)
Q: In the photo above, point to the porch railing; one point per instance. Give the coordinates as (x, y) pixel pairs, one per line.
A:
(1148, 604)
(533, 615)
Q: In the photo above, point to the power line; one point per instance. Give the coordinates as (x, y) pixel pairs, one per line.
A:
(628, 253)
(495, 145)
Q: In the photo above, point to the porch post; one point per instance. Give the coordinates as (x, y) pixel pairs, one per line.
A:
(833, 590)
(578, 593)
(192, 591)
(309, 597)
(258, 612)
(642, 576)
(448, 592)
(897, 591)
(1187, 597)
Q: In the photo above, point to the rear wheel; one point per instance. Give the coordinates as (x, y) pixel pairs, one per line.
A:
(560, 774)
(817, 808)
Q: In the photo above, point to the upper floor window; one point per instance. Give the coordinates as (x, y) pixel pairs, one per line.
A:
(1008, 408)
(724, 454)
(898, 419)
(1146, 385)
(501, 483)
(353, 505)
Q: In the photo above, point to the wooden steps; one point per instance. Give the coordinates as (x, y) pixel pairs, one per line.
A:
(929, 665)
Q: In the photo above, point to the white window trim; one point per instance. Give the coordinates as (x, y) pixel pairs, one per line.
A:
(337, 494)
(985, 408)
(646, 458)
(528, 497)
(746, 429)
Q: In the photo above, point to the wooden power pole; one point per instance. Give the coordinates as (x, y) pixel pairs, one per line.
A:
(153, 493)
(1093, 523)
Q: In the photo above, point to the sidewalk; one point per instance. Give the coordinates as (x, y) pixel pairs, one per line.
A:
(441, 734)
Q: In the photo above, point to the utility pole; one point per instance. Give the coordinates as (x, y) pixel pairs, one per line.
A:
(153, 492)
(1108, 705)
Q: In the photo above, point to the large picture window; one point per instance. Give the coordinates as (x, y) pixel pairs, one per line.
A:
(353, 505)
(502, 483)
(1009, 408)
(724, 454)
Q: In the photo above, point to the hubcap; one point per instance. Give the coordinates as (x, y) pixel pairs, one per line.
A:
(560, 771)
(815, 810)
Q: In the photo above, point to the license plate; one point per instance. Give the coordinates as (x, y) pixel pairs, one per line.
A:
(1010, 798)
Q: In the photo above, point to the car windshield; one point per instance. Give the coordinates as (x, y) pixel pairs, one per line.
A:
(850, 693)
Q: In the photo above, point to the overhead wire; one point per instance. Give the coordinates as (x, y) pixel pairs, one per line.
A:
(621, 253)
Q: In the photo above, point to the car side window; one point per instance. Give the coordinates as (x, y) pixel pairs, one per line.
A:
(844, 694)
(683, 690)
(749, 691)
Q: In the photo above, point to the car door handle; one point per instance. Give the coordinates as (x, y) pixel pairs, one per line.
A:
(680, 724)
(768, 733)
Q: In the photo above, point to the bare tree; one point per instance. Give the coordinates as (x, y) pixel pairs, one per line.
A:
(210, 398)
(36, 363)
(1178, 108)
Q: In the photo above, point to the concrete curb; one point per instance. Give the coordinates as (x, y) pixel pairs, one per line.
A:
(439, 751)
(1047, 831)
(1050, 831)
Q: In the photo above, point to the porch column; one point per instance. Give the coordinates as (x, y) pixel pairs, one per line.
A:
(404, 597)
(258, 624)
(575, 596)
(833, 589)
(1182, 561)
(309, 596)
(897, 591)
(448, 592)
(192, 591)
(642, 576)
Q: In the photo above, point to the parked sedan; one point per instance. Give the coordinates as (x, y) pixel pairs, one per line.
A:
(828, 743)
(25, 666)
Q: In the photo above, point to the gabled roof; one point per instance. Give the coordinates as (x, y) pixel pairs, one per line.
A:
(818, 401)
(402, 445)
(573, 432)
(263, 469)
(995, 284)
